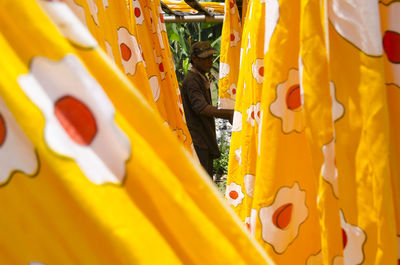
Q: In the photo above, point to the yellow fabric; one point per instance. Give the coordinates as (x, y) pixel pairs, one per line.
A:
(215, 7)
(114, 24)
(319, 182)
(231, 39)
(89, 172)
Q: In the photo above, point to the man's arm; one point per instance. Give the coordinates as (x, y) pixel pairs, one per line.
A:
(212, 111)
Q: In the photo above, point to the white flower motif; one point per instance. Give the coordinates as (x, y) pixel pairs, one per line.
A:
(69, 25)
(282, 219)
(137, 11)
(238, 155)
(232, 91)
(17, 154)
(232, 8)
(155, 87)
(160, 38)
(223, 70)
(391, 41)
(142, 54)
(160, 66)
(153, 26)
(78, 10)
(358, 22)
(226, 103)
(109, 51)
(249, 181)
(93, 10)
(250, 222)
(237, 121)
(235, 38)
(79, 117)
(253, 114)
(257, 69)
(131, 54)
(271, 20)
(337, 108)
(353, 240)
(288, 104)
(234, 194)
(338, 260)
(329, 171)
(315, 259)
(161, 19)
(250, 115)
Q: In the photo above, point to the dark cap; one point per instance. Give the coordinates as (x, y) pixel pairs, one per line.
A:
(202, 49)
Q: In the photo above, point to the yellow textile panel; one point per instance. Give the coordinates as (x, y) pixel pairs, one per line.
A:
(89, 174)
(231, 39)
(285, 191)
(243, 149)
(321, 110)
(390, 29)
(326, 188)
(363, 147)
(133, 34)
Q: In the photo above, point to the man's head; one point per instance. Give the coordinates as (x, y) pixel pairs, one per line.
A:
(201, 56)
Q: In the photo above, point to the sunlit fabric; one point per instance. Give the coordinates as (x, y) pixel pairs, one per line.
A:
(134, 36)
(89, 174)
(231, 39)
(317, 179)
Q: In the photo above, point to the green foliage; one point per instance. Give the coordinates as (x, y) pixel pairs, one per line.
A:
(182, 36)
(221, 164)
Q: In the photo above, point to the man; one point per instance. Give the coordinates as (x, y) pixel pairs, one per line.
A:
(199, 111)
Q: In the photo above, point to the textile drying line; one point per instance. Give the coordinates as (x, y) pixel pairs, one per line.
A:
(192, 11)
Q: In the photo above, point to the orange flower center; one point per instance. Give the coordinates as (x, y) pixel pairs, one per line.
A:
(126, 52)
(3, 130)
(282, 216)
(233, 194)
(76, 119)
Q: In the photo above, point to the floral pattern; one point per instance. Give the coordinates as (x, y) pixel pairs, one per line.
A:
(257, 69)
(249, 181)
(271, 20)
(79, 117)
(234, 194)
(67, 22)
(329, 171)
(354, 24)
(17, 153)
(282, 219)
(254, 114)
(288, 104)
(353, 241)
(131, 54)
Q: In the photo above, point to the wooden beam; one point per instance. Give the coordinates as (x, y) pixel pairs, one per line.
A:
(194, 18)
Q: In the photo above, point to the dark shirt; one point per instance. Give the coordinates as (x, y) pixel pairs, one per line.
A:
(196, 95)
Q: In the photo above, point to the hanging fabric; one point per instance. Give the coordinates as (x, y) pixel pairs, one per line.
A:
(316, 180)
(89, 173)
